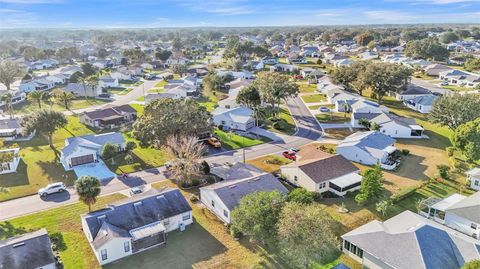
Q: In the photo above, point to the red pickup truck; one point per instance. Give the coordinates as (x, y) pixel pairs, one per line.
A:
(289, 155)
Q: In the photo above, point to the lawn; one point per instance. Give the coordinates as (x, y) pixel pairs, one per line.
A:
(161, 84)
(231, 141)
(209, 102)
(307, 88)
(120, 90)
(314, 98)
(333, 117)
(285, 125)
(457, 88)
(340, 133)
(62, 222)
(316, 107)
(79, 103)
(269, 163)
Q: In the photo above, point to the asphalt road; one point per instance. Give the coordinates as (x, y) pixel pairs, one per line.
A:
(308, 131)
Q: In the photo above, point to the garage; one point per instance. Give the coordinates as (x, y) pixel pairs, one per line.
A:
(82, 160)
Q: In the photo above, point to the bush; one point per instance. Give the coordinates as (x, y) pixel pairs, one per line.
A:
(443, 171)
(128, 159)
(194, 199)
(405, 152)
(450, 151)
(274, 160)
(235, 233)
(301, 195)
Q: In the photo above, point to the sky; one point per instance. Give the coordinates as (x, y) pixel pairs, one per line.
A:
(230, 13)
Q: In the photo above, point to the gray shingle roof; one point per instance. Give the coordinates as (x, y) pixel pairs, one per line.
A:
(413, 89)
(91, 141)
(31, 250)
(412, 241)
(371, 139)
(232, 191)
(9, 124)
(128, 214)
(468, 208)
(110, 111)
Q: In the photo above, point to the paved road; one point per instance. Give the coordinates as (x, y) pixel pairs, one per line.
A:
(308, 130)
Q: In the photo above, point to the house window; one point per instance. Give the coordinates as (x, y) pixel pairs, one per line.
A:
(476, 182)
(295, 178)
(323, 185)
(126, 246)
(103, 253)
(473, 226)
(186, 217)
(213, 203)
(225, 213)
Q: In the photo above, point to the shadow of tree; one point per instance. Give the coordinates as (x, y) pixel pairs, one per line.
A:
(8, 230)
(20, 178)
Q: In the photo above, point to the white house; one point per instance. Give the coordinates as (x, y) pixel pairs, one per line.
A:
(369, 55)
(422, 104)
(461, 78)
(369, 148)
(108, 82)
(473, 177)
(135, 224)
(9, 166)
(283, 68)
(390, 124)
(270, 60)
(321, 172)
(409, 240)
(237, 118)
(17, 97)
(121, 75)
(337, 94)
(222, 197)
(29, 250)
(176, 60)
(57, 79)
(109, 117)
(87, 149)
(325, 84)
(79, 90)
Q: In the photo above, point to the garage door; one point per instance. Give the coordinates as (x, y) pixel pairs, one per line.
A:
(82, 160)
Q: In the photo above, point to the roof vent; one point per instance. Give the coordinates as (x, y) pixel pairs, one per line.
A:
(18, 244)
(233, 186)
(137, 204)
(161, 197)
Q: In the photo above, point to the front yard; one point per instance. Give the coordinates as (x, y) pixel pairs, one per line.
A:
(231, 140)
(79, 103)
(314, 98)
(285, 124)
(333, 117)
(269, 163)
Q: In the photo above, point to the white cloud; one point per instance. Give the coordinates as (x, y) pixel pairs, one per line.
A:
(389, 16)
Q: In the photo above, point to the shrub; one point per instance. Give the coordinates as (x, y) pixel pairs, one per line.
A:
(443, 171)
(274, 160)
(405, 152)
(194, 199)
(301, 195)
(450, 151)
(128, 159)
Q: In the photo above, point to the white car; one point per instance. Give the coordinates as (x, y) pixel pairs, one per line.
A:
(52, 188)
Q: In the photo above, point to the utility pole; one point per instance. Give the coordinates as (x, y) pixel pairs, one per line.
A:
(243, 146)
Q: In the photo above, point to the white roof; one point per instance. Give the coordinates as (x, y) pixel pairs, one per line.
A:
(474, 172)
(237, 114)
(151, 229)
(390, 149)
(347, 180)
(447, 202)
(416, 127)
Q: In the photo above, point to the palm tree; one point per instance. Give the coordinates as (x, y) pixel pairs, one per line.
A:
(91, 82)
(64, 98)
(7, 99)
(36, 96)
(88, 189)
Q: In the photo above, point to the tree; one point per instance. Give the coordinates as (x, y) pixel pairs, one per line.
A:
(166, 117)
(131, 145)
(372, 187)
(75, 77)
(466, 138)
(9, 73)
(185, 153)
(45, 122)
(63, 98)
(88, 189)
(205, 167)
(163, 55)
(67, 53)
(136, 55)
(275, 87)
(473, 264)
(364, 38)
(472, 65)
(7, 99)
(257, 215)
(179, 69)
(453, 111)
(91, 82)
(384, 207)
(448, 37)
(306, 234)
(213, 82)
(109, 150)
(301, 195)
(88, 69)
(383, 78)
(427, 48)
(249, 96)
(36, 96)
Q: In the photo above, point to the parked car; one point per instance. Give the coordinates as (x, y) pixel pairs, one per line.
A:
(51, 189)
(289, 155)
(445, 83)
(324, 109)
(298, 77)
(214, 142)
(135, 190)
(294, 149)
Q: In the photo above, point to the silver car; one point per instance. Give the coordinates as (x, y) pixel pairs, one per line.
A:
(51, 189)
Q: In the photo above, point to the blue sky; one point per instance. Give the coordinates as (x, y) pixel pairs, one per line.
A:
(183, 13)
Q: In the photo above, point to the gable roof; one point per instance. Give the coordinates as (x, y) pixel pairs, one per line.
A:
(8, 123)
(468, 208)
(110, 111)
(91, 141)
(237, 114)
(238, 170)
(31, 250)
(413, 89)
(370, 139)
(324, 168)
(135, 212)
(232, 191)
(409, 240)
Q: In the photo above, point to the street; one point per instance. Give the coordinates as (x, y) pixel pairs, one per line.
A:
(308, 131)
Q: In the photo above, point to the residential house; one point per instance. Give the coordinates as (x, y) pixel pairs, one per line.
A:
(222, 197)
(369, 148)
(237, 118)
(325, 84)
(29, 250)
(176, 60)
(234, 171)
(422, 104)
(58, 79)
(369, 55)
(12, 130)
(409, 240)
(108, 81)
(473, 177)
(310, 51)
(78, 89)
(135, 224)
(17, 97)
(412, 92)
(236, 74)
(460, 78)
(294, 58)
(455, 211)
(82, 154)
(11, 165)
(322, 172)
(109, 117)
(343, 62)
(435, 69)
(335, 94)
(122, 76)
(68, 71)
(390, 124)
(331, 58)
(290, 68)
(270, 60)
(150, 97)
(42, 64)
(305, 72)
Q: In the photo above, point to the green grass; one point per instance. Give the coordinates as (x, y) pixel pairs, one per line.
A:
(209, 102)
(333, 117)
(314, 98)
(286, 124)
(161, 84)
(269, 163)
(457, 88)
(316, 107)
(120, 90)
(306, 88)
(64, 222)
(79, 103)
(138, 108)
(231, 141)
